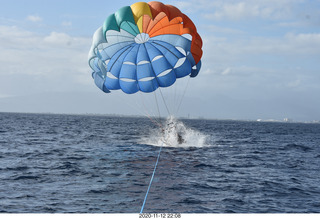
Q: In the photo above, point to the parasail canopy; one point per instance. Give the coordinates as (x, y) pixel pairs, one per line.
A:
(143, 47)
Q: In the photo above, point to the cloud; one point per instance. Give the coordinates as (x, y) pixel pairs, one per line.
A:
(294, 83)
(13, 32)
(31, 62)
(308, 41)
(243, 10)
(237, 11)
(226, 71)
(260, 65)
(222, 29)
(58, 39)
(235, 49)
(34, 18)
(253, 9)
(66, 23)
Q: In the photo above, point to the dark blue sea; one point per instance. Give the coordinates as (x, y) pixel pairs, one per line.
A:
(102, 164)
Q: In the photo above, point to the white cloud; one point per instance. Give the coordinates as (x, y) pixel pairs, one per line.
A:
(237, 11)
(241, 10)
(294, 83)
(225, 30)
(226, 71)
(311, 39)
(66, 23)
(58, 39)
(289, 45)
(249, 65)
(36, 63)
(13, 32)
(254, 9)
(34, 18)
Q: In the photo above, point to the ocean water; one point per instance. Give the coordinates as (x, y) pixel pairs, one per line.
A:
(101, 164)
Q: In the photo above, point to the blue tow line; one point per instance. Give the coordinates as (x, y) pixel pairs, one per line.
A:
(154, 171)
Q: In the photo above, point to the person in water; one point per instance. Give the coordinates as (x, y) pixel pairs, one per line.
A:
(180, 139)
(171, 127)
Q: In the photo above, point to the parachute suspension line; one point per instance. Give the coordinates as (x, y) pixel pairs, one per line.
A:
(154, 171)
(164, 101)
(123, 100)
(155, 97)
(183, 94)
(144, 112)
(154, 121)
(160, 87)
(174, 98)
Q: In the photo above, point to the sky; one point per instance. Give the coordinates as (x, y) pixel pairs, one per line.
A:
(260, 59)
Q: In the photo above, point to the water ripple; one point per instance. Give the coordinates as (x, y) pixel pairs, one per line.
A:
(96, 164)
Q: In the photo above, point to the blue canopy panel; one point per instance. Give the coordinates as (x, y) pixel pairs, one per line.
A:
(166, 78)
(134, 67)
(168, 50)
(99, 74)
(115, 63)
(128, 78)
(144, 71)
(111, 50)
(148, 85)
(184, 44)
(99, 81)
(176, 60)
(114, 67)
(196, 70)
(94, 64)
(128, 71)
(161, 66)
(142, 54)
(129, 87)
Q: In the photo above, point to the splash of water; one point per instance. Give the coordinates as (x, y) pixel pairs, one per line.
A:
(174, 133)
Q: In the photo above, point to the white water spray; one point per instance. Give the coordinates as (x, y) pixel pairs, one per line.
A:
(174, 133)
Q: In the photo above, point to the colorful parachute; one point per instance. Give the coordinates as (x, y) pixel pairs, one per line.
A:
(143, 47)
